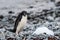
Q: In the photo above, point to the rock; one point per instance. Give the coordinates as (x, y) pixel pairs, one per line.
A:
(58, 4)
(1, 17)
(24, 38)
(57, 35)
(11, 12)
(11, 39)
(31, 7)
(37, 38)
(1, 26)
(52, 0)
(10, 20)
(45, 10)
(14, 16)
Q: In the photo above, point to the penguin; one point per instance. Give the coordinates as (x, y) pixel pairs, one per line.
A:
(20, 22)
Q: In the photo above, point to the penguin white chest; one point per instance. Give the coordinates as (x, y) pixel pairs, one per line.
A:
(21, 24)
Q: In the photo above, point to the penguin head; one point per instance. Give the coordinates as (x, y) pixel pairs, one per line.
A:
(24, 13)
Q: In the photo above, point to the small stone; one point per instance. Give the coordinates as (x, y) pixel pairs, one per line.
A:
(10, 20)
(57, 35)
(11, 12)
(31, 7)
(37, 38)
(11, 39)
(1, 17)
(45, 10)
(58, 3)
(24, 38)
(52, 0)
(14, 17)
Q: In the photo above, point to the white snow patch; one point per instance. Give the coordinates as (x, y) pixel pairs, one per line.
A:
(41, 30)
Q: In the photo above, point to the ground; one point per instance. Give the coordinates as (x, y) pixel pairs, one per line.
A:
(41, 13)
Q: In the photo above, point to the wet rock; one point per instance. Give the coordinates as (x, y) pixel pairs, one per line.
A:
(58, 14)
(1, 26)
(57, 35)
(11, 12)
(58, 4)
(14, 16)
(37, 38)
(52, 0)
(1, 17)
(35, 22)
(11, 39)
(30, 6)
(45, 10)
(24, 38)
(26, 29)
(10, 20)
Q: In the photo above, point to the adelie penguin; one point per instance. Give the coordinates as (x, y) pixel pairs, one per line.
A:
(20, 22)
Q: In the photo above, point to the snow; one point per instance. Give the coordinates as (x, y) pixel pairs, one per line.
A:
(41, 30)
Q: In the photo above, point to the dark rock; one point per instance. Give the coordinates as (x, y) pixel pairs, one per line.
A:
(29, 18)
(1, 17)
(11, 12)
(14, 16)
(11, 39)
(37, 38)
(36, 1)
(45, 10)
(10, 20)
(1, 26)
(58, 8)
(57, 35)
(58, 14)
(31, 7)
(36, 22)
(50, 12)
(24, 38)
(58, 4)
(50, 25)
(52, 0)
(42, 17)
(58, 28)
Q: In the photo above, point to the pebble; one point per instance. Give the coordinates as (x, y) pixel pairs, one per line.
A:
(58, 4)
(31, 7)
(1, 17)
(11, 39)
(11, 12)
